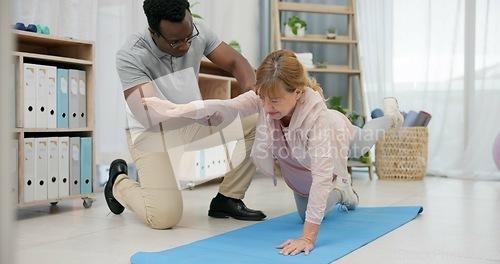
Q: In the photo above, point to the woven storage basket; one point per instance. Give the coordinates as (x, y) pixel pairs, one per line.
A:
(402, 154)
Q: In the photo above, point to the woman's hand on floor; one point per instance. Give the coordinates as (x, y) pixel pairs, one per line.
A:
(293, 247)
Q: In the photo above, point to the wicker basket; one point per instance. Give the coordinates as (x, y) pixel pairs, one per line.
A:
(402, 154)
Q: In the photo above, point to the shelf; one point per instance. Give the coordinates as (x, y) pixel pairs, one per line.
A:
(357, 163)
(315, 8)
(214, 86)
(52, 58)
(54, 46)
(335, 69)
(48, 40)
(319, 39)
(208, 70)
(51, 130)
(217, 77)
(208, 67)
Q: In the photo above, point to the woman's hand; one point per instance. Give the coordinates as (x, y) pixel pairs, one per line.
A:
(294, 247)
(169, 109)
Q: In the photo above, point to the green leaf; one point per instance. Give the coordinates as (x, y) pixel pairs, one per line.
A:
(335, 103)
(292, 23)
(365, 158)
(193, 5)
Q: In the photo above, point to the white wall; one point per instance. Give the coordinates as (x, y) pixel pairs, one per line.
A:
(233, 20)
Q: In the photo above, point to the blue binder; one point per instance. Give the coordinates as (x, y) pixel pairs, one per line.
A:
(62, 98)
(85, 165)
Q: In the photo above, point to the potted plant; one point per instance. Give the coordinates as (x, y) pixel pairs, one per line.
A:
(331, 33)
(321, 64)
(334, 103)
(295, 27)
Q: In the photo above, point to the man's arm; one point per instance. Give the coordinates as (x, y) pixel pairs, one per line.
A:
(232, 61)
(148, 117)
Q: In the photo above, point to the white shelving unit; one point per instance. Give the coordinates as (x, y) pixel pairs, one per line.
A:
(351, 68)
(64, 53)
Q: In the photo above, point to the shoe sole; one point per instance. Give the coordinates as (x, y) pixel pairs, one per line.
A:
(226, 215)
(113, 203)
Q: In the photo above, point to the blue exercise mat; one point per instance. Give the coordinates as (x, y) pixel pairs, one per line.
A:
(340, 233)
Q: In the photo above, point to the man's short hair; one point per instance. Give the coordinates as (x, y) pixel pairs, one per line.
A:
(170, 10)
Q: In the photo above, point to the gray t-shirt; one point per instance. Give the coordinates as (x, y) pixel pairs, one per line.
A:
(140, 61)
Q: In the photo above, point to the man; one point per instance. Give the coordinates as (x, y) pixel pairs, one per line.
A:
(173, 43)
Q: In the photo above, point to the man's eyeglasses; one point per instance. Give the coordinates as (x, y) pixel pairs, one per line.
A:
(178, 43)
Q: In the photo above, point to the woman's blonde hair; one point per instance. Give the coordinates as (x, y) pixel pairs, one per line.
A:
(282, 68)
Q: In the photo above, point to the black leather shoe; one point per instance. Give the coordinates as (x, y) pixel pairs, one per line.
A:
(234, 208)
(116, 168)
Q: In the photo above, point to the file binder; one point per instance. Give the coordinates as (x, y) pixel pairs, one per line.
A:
(29, 95)
(63, 166)
(74, 165)
(53, 167)
(51, 96)
(29, 170)
(62, 98)
(41, 96)
(82, 88)
(85, 165)
(74, 99)
(12, 94)
(41, 169)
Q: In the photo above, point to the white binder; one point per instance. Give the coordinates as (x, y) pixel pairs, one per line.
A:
(12, 95)
(74, 99)
(29, 170)
(41, 168)
(53, 167)
(14, 170)
(41, 96)
(82, 104)
(51, 96)
(29, 95)
(74, 165)
(63, 166)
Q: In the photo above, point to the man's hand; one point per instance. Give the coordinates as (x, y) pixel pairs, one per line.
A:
(294, 247)
(213, 120)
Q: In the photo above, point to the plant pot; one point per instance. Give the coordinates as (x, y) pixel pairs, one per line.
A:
(331, 35)
(300, 32)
